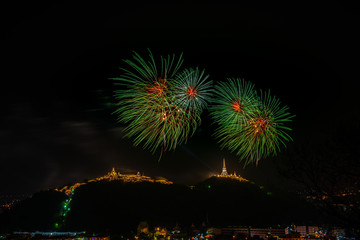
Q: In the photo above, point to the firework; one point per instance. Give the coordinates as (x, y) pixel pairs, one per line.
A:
(153, 105)
(191, 90)
(234, 102)
(252, 126)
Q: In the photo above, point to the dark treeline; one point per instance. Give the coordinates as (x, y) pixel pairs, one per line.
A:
(38, 212)
(328, 171)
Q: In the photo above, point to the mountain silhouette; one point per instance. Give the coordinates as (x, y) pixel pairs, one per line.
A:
(118, 207)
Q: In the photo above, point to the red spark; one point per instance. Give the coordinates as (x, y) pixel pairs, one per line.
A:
(236, 106)
(259, 124)
(158, 88)
(191, 91)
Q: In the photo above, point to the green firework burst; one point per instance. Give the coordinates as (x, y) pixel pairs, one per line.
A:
(192, 90)
(255, 126)
(148, 102)
(234, 102)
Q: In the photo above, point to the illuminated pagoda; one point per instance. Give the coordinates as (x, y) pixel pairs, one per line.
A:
(113, 175)
(224, 174)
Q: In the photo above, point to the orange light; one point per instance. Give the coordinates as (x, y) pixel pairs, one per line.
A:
(191, 91)
(259, 124)
(158, 88)
(236, 106)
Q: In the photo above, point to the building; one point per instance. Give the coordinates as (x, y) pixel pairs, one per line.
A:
(116, 176)
(263, 232)
(224, 174)
(252, 232)
(306, 231)
(234, 231)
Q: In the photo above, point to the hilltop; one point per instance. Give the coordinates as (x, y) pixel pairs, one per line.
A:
(114, 176)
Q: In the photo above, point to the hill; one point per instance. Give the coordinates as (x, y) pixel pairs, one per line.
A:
(119, 206)
(231, 202)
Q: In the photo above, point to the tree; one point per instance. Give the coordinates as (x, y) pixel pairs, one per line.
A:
(328, 173)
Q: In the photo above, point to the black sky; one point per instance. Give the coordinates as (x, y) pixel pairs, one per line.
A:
(56, 126)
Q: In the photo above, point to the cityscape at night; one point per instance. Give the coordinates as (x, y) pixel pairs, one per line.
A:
(180, 120)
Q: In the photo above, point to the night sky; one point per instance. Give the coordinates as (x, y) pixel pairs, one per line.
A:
(56, 125)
